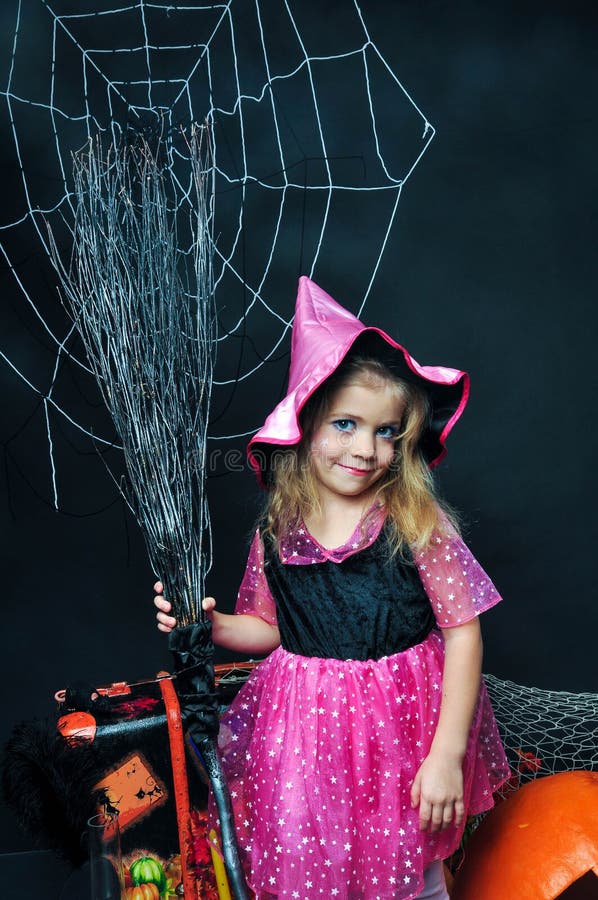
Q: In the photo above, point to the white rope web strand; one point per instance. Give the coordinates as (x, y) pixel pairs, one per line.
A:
(305, 155)
(145, 314)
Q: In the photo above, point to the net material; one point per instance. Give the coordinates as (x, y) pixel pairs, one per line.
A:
(544, 731)
(306, 160)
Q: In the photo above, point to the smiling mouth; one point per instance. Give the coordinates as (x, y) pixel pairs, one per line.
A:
(355, 471)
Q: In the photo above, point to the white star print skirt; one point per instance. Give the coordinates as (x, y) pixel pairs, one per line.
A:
(320, 756)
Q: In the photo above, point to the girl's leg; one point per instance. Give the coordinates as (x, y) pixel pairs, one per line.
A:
(434, 883)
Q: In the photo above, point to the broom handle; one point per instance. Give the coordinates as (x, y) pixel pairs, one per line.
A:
(208, 754)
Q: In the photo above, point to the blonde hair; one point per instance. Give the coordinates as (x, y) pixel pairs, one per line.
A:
(406, 490)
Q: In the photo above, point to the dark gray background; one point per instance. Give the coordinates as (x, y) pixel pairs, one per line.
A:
(491, 267)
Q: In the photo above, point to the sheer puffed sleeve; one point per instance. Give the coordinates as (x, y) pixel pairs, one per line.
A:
(254, 597)
(458, 587)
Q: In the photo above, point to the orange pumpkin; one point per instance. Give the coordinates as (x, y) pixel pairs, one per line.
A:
(147, 891)
(535, 844)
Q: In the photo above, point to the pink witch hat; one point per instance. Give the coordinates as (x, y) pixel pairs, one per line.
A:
(323, 334)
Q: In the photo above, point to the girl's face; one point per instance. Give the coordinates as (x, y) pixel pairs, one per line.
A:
(353, 444)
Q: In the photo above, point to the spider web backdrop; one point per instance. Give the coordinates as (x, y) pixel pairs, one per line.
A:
(314, 138)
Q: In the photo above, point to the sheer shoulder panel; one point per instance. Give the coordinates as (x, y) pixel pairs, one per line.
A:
(458, 588)
(254, 597)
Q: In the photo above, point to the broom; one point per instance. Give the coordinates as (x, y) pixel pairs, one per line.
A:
(139, 286)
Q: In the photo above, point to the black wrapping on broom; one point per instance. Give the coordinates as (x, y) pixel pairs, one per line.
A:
(193, 653)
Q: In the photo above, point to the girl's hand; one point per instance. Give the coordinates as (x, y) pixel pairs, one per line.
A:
(208, 604)
(438, 791)
(167, 622)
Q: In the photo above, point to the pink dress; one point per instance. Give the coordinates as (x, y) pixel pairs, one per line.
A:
(320, 753)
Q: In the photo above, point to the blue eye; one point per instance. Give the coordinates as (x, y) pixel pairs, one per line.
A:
(388, 432)
(343, 424)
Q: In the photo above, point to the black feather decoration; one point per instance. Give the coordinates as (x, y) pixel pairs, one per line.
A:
(49, 784)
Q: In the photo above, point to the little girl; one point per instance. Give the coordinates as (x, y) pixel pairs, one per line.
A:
(358, 746)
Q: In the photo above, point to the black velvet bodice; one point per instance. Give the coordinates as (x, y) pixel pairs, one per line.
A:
(365, 607)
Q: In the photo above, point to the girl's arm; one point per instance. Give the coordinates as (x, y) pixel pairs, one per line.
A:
(438, 786)
(242, 633)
